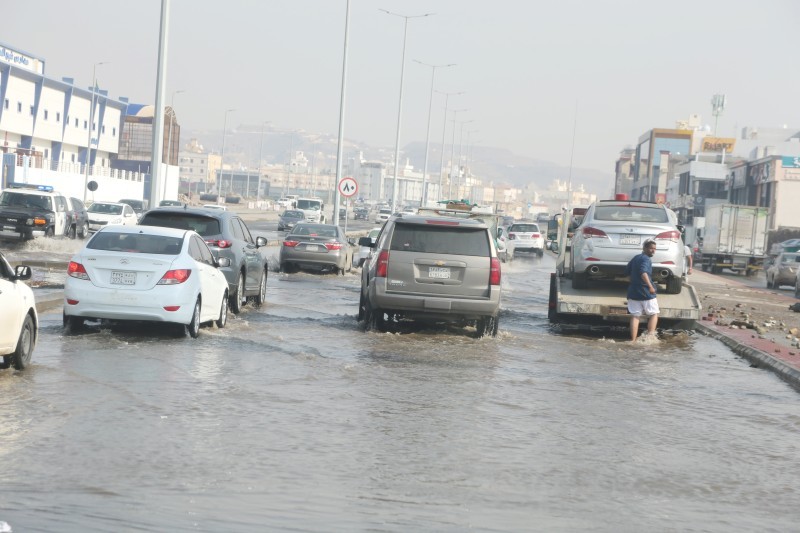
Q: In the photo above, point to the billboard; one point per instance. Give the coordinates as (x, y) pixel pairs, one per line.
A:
(718, 144)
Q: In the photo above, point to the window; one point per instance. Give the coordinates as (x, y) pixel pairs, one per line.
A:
(6, 104)
(19, 107)
(76, 122)
(73, 158)
(46, 153)
(58, 116)
(31, 110)
(46, 114)
(103, 129)
(94, 126)
(86, 124)
(114, 131)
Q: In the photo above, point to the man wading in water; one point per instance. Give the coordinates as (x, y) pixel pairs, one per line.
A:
(642, 290)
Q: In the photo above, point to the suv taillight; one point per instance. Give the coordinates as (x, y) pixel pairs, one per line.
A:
(494, 272)
(382, 266)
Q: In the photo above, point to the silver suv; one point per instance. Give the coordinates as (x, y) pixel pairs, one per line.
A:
(433, 269)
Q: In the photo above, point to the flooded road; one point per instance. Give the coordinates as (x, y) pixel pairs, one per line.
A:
(293, 419)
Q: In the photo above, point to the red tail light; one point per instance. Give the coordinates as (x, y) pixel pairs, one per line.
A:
(174, 277)
(333, 245)
(382, 265)
(77, 271)
(494, 272)
(72, 302)
(673, 236)
(171, 308)
(591, 232)
(291, 244)
(222, 243)
(536, 235)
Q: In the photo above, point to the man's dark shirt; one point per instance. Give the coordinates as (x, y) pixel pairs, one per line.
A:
(638, 289)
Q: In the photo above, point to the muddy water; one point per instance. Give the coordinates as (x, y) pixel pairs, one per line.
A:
(292, 418)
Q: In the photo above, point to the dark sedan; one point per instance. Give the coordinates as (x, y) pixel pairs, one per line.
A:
(316, 246)
(289, 219)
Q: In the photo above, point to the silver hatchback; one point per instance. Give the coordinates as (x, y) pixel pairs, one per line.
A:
(613, 231)
(433, 269)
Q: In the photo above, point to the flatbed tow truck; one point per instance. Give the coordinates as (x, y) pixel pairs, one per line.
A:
(604, 306)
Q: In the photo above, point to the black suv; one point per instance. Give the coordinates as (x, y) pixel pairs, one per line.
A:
(227, 236)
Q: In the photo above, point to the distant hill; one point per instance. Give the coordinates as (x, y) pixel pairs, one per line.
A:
(493, 165)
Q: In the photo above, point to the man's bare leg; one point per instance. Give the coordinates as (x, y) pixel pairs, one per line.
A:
(634, 327)
(652, 322)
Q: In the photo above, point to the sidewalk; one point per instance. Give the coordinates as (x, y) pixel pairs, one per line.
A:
(754, 322)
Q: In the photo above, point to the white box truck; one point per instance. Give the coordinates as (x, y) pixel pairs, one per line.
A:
(735, 238)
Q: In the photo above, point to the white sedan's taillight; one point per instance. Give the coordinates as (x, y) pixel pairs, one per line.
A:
(175, 277)
(77, 271)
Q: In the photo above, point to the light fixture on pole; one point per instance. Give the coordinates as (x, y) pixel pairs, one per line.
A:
(444, 131)
(89, 137)
(453, 152)
(400, 103)
(424, 200)
(169, 137)
(222, 157)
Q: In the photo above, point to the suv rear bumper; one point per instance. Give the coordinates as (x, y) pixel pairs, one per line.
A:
(433, 306)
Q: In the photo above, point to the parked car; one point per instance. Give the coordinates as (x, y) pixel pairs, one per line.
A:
(431, 269)
(290, 218)
(501, 243)
(228, 236)
(361, 255)
(78, 219)
(316, 246)
(342, 213)
(170, 203)
(146, 273)
(18, 315)
(139, 206)
(383, 215)
(28, 211)
(102, 214)
(783, 270)
(525, 237)
(613, 231)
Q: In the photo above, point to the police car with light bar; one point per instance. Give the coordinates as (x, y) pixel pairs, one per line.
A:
(28, 211)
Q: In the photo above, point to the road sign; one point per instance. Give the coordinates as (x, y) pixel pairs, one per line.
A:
(348, 187)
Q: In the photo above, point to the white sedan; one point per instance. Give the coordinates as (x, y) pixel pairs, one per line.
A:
(102, 214)
(146, 273)
(17, 315)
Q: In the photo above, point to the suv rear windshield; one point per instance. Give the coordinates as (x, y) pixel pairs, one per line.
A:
(630, 213)
(205, 226)
(440, 240)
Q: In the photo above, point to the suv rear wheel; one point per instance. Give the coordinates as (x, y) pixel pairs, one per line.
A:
(487, 326)
(373, 319)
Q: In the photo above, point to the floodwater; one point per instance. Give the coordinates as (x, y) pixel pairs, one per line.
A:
(293, 419)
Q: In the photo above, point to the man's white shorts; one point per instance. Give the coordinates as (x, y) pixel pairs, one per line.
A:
(643, 307)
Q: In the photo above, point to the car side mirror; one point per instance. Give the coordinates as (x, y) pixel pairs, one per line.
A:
(681, 228)
(365, 241)
(223, 262)
(351, 242)
(22, 272)
(261, 241)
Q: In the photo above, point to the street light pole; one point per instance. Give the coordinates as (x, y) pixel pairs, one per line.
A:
(400, 103)
(222, 157)
(424, 200)
(444, 130)
(460, 181)
(89, 137)
(453, 152)
(169, 137)
(340, 138)
(260, 157)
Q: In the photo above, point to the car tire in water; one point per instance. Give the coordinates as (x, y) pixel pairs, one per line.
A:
(193, 327)
(373, 318)
(84, 231)
(674, 285)
(261, 297)
(237, 298)
(21, 357)
(72, 232)
(73, 323)
(223, 312)
(487, 326)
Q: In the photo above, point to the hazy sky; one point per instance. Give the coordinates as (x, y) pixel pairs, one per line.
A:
(524, 65)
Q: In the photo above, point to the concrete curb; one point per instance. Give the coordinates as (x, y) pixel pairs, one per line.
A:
(49, 303)
(758, 358)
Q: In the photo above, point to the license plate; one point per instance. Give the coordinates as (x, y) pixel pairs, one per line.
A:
(629, 239)
(312, 247)
(439, 272)
(123, 278)
(12, 228)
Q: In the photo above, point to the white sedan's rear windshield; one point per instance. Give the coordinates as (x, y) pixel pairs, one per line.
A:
(524, 228)
(136, 242)
(629, 213)
(440, 240)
